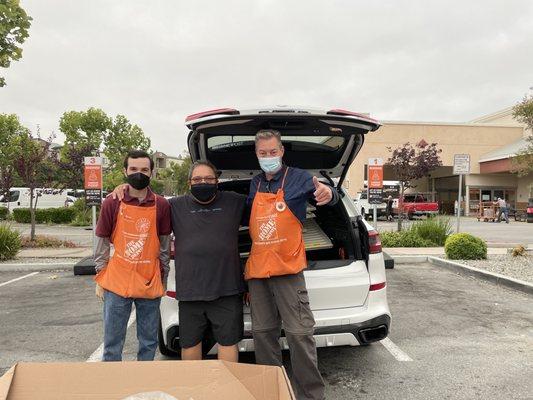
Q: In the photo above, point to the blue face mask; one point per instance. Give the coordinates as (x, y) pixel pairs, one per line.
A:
(270, 165)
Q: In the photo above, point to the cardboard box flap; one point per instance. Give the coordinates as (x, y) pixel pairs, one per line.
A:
(5, 382)
(264, 382)
(118, 380)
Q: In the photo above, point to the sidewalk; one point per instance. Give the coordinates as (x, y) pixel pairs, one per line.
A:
(76, 252)
(431, 251)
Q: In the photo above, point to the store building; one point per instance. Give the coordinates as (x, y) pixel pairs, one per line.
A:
(491, 141)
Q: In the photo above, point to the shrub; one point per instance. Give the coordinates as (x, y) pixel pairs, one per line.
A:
(434, 229)
(22, 215)
(4, 213)
(60, 215)
(82, 214)
(10, 242)
(404, 239)
(45, 241)
(463, 246)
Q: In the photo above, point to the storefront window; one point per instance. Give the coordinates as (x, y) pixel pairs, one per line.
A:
(474, 195)
(486, 195)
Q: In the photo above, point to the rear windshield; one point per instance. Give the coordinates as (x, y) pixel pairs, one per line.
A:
(237, 152)
(303, 143)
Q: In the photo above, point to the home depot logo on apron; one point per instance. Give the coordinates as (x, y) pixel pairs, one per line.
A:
(133, 270)
(277, 239)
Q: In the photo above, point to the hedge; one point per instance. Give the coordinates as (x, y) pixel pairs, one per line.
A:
(61, 215)
(463, 246)
(404, 239)
(4, 212)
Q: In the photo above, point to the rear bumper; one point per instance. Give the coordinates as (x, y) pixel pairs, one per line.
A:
(354, 334)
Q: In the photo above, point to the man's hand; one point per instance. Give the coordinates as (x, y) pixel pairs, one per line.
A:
(119, 191)
(99, 291)
(246, 299)
(322, 193)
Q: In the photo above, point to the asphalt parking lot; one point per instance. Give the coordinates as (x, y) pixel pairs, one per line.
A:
(459, 338)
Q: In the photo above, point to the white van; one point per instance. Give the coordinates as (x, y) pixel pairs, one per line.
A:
(19, 197)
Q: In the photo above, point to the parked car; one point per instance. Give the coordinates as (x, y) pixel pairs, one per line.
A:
(346, 272)
(416, 205)
(19, 197)
(366, 209)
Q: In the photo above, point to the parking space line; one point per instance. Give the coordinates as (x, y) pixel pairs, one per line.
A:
(99, 352)
(18, 279)
(395, 350)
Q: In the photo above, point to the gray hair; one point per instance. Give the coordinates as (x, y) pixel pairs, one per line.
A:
(203, 162)
(265, 134)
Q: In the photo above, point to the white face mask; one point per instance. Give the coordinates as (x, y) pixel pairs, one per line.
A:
(270, 165)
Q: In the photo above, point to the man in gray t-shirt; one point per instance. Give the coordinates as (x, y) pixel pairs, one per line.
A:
(209, 275)
(502, 204)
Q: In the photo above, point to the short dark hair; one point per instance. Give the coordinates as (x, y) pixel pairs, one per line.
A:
(138, 154)
(203, 162)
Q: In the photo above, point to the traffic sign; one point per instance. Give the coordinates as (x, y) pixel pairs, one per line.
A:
(461, 164)
(92, 173)
(375, 173)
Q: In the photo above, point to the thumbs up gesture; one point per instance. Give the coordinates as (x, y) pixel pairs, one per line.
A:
(322, 192)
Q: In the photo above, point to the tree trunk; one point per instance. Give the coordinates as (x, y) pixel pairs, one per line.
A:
(400, 207)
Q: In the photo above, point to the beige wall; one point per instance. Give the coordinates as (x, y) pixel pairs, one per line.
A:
(474, 139)
(524, 184)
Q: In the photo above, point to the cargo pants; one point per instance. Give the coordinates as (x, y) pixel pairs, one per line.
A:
(283, 300)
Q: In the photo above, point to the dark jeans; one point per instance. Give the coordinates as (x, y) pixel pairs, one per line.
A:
(117, 310)
(505, 212)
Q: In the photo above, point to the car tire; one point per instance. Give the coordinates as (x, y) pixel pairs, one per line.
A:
(163, 349)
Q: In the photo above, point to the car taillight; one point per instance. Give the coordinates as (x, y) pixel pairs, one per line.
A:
(374, 242)
(226, 111)
(377, 286)
(171, 293)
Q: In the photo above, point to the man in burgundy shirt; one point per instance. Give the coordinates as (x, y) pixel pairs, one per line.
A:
(141, 258)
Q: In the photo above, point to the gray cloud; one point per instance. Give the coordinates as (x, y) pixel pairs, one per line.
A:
(158, 61)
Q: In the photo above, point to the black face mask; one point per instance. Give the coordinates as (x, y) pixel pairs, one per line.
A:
(138, 180)
(204, 192)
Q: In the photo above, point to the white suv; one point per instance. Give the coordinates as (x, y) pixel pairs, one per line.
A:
(346, 272)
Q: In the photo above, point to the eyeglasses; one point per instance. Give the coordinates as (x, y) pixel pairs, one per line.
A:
(199, 179)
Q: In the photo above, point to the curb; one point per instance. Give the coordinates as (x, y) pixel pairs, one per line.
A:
(492, 277)
(36, 267)
(409, 259)
(497, 279)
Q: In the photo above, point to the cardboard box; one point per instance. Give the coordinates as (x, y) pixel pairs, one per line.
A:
(185, 380)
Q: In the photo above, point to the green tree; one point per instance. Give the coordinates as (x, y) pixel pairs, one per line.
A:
(84, 129)
(410, 163)
(174, 179)
(523, 162)
(94, 133)
(14, 26)
(10, 128)
(121, 137)
(35, 167)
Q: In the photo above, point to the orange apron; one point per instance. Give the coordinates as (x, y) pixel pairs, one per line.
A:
(277, 240)
(133, 270)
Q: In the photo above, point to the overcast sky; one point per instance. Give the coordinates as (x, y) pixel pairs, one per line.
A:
(158, 61)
